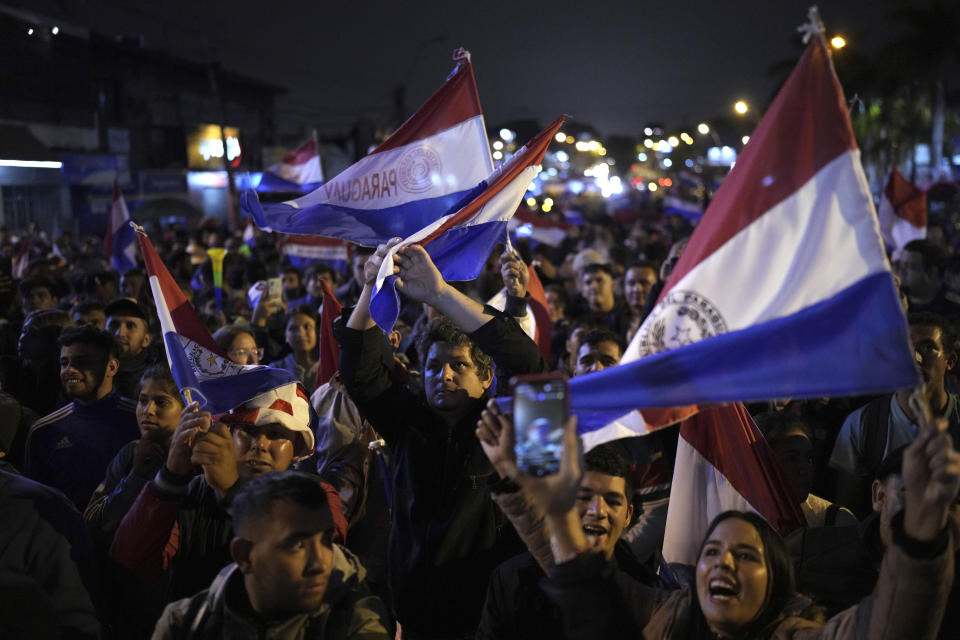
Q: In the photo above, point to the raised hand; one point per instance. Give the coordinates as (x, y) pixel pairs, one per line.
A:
(217, 454)
(514, 273)
(192, 422)
(372, 267)
(556, 494)
(495, 432)
(419, 277)
(931, 477)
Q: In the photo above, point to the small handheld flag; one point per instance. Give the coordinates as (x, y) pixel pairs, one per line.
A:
(119, 241)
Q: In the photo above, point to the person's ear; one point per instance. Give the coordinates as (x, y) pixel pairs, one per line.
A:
(877, 495)
(951, 359)
(113, 365)
(629, 515)
(488, 380)
(147, 339)
(240, 550)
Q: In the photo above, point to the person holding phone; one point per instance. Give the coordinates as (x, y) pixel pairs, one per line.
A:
(446, 532)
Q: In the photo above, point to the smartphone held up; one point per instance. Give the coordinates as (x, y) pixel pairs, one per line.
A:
(539, 410)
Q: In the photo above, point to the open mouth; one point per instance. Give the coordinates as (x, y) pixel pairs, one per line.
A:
(594, 532)
(723, 589)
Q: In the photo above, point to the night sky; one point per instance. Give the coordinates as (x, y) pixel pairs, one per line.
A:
(614, 65)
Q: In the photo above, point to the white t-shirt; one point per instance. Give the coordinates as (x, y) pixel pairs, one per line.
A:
(815, 512)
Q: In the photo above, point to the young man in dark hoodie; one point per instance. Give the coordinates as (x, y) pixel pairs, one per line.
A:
(446, 532)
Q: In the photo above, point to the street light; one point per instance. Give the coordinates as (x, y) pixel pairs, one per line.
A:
(838, 42)
(703, 128)
(740, 107)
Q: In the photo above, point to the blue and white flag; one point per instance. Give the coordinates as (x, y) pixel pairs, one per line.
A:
(460, 242)
(416, 176)
(302, 251)
(297, 171)
(196, 361)
(118, 243)
(784, 290)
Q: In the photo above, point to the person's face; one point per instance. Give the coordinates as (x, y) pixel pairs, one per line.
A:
(94, 317)
(157, 409)
(732, 576)
(290, 559)
(887, 496)
(912, 271)
(131, 333)
(83, 372)
(291, 281)
(597, 357)
(263, 448)
(39, 298)
(604, 510)
(301, 333)
(450, 377)
(315, 284)
(795, 453)
(597, 288)
(932, 357)
(637, 284)
(573, 343)
(131, 285)
(243, 350)
(555, 306)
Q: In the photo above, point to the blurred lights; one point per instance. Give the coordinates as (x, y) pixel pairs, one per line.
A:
(667, 163)
(55, 30)
(652, 186)
(648, 131)
(507, 135)
(497, 155)
(32, 164)
(546, 207)
(582, 146)
(688, 162)
(531, 201)
(745, 139)
(686, 137)
(740, 107)
(648, 143)
(30, 31)
(673, 141)
(703, 128)
(497, 145)
(560, 137)
(569, 139)
(838, 42)
(664, 147)
(562, 156)
(642, 157)
(548, 202)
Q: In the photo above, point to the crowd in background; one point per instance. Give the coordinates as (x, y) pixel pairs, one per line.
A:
(129, 512)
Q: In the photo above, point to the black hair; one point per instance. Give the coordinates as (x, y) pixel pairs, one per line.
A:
(225, 335)
(781, 580)
(645, 264)
(318, 268)
(160, 372)
(443, 329)
(257, 496)
(609, 458)
(292, 269)
(562, 294)
(300, 309)
(948, 334)
(892, 464)
(47, 318)
(596, 336)
(774, 425)
(933, 255)
(86, 306)
(87, 334)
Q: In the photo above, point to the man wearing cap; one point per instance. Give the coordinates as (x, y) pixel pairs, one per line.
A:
(289, 579)
(179, 521)
(129, 321)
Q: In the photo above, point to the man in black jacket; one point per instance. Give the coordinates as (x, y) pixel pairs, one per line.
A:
(446, 533)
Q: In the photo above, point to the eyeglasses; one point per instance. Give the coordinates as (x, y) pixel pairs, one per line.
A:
(245, 353)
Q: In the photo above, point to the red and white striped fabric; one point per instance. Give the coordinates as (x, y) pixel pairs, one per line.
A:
(723, 463)
(902, 212)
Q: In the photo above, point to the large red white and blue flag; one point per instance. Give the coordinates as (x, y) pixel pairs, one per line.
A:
(302, 251)
(118, 243)
(433, 161)
(784, 289)
(460, 242)
(196, 361)
(298, 170)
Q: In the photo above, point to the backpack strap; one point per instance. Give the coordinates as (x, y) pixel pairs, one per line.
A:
(874, 426)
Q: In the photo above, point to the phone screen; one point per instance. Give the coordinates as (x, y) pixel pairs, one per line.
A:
(539, 410)
(274, 288)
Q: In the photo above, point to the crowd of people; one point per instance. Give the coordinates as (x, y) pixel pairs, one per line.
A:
(132, 512)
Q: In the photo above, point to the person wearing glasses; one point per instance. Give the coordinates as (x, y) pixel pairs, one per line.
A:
(239, 343)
